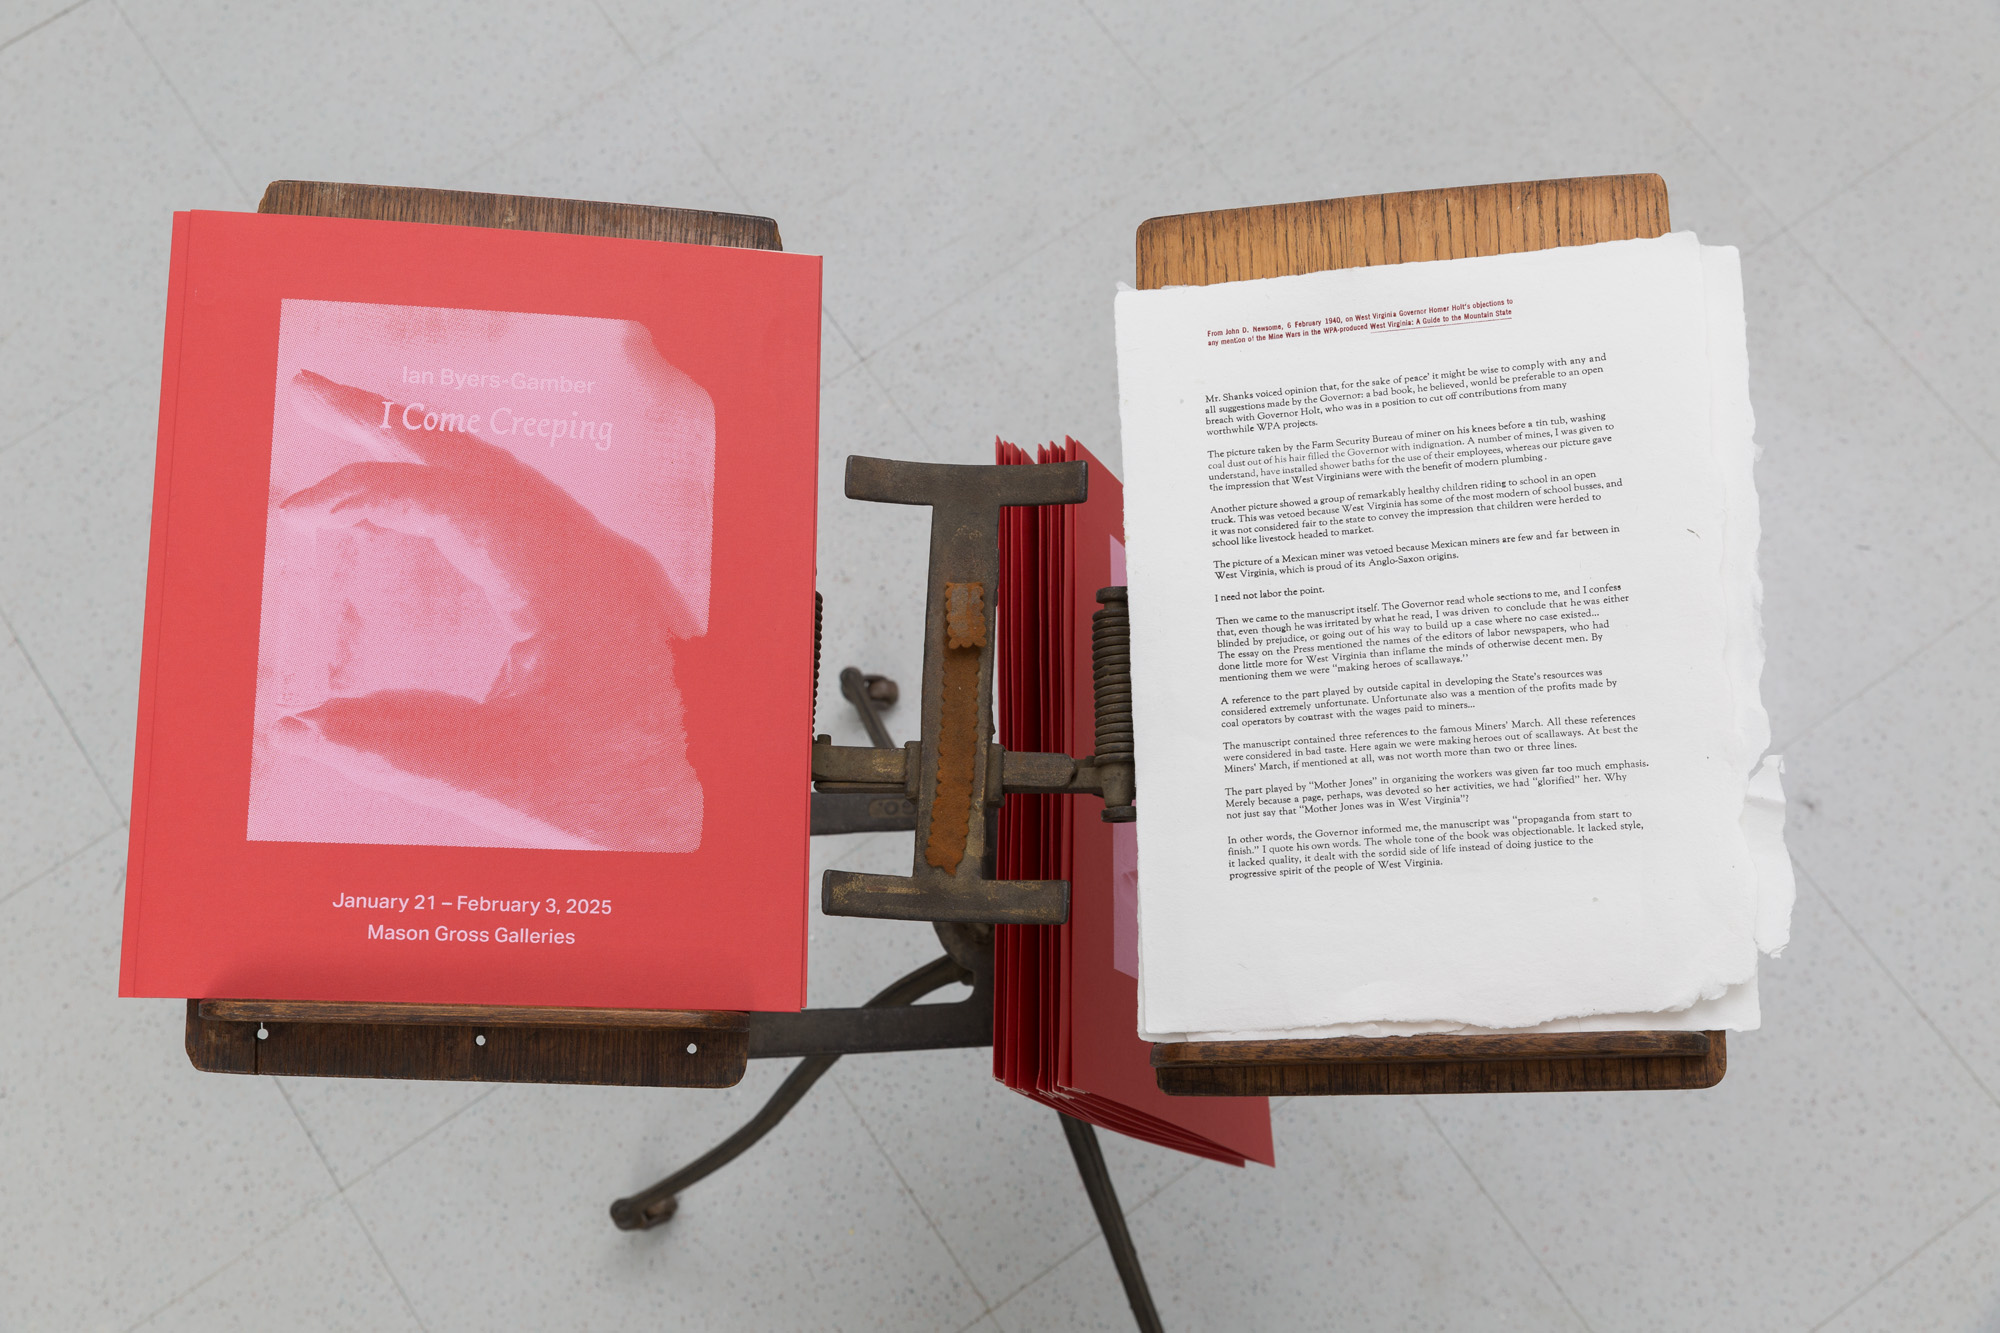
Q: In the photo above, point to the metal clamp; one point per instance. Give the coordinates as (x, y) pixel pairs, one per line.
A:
(957, 807)
(957, 775)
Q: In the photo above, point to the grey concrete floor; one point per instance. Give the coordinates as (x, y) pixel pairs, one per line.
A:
(973, 175)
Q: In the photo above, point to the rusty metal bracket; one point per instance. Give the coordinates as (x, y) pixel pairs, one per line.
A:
(950, 772)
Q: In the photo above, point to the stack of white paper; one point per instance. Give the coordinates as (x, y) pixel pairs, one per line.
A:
(1446, 648)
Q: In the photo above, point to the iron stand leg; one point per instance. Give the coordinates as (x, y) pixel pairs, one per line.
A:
(1111, 1219)
(658, 1202)
(968, 959)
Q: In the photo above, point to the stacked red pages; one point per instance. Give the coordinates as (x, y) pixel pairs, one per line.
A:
(1065, 1017)
(478, 665)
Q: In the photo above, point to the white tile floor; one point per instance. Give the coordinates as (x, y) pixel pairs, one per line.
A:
(973, 175)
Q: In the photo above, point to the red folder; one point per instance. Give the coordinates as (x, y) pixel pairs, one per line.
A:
(478, 665)
(1066, 997)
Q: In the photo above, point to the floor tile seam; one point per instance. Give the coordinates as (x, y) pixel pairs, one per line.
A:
(90, 762)
(30, 31)
(1784, 223)
(985, 1306)
(1907, 1259)
(1945, 122)
(715, 163)
(619, 33)
(1501, 1213)
(724, 13)
(311, 1137)
(460, 180)
(640, 67)
(368, 1234)
(1145, 78)
(1097, 1234)
(826, 313)
(1229, 120)
(1970, 109)
(1135, 183)
(1758, 247)
(908, 424)
(231, 1262)
(457, 178)
(1209, 159)
(40, 875)
(1793, 739)
(893, 338)
(983, 285)
(1140, 1201)
(1986, 446)
(370, 1171)
(1833, 905)
(89, 398)
(1743, 183)
(826, 384)
(187, 109)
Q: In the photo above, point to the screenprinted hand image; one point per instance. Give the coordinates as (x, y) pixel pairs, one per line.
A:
(487, 532)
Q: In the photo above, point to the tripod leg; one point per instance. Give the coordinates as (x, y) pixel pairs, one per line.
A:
(1111, 1220)
(655, 1204)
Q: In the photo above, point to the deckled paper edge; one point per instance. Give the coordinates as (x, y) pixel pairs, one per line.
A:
(1732, 436)
(1735, 1010)
(1764, 831)
(1734, 429)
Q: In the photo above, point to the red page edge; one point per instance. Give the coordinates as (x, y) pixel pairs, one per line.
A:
(163, 467)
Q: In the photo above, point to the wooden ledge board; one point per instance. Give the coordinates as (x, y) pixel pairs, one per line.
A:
(1361, 1076)
(1279, 240)
(502, 1044)
(1443, 1046)
(473, 1049)
(360, 1011)
(519, 212)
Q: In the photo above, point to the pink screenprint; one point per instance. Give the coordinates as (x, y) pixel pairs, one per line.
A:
(486, 532)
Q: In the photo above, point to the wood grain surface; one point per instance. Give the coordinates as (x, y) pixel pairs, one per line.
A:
(634, 1047)
(1360, 1077)
(473, 1051)
(519, 212)
(1280, 240)
(1443, 1046)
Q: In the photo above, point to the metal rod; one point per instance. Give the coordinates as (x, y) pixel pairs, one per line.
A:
(854, 686)
(655, 1204)
(865, 812)
(1111, 1220)
(871, 1029)
(861, 812)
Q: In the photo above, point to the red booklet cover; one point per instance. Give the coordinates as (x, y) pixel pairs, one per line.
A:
(478, 650)
(1066, 998)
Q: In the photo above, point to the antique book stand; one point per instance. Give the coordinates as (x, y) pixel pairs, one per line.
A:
(948, 785)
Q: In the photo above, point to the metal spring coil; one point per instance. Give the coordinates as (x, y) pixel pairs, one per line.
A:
(1111, 675)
